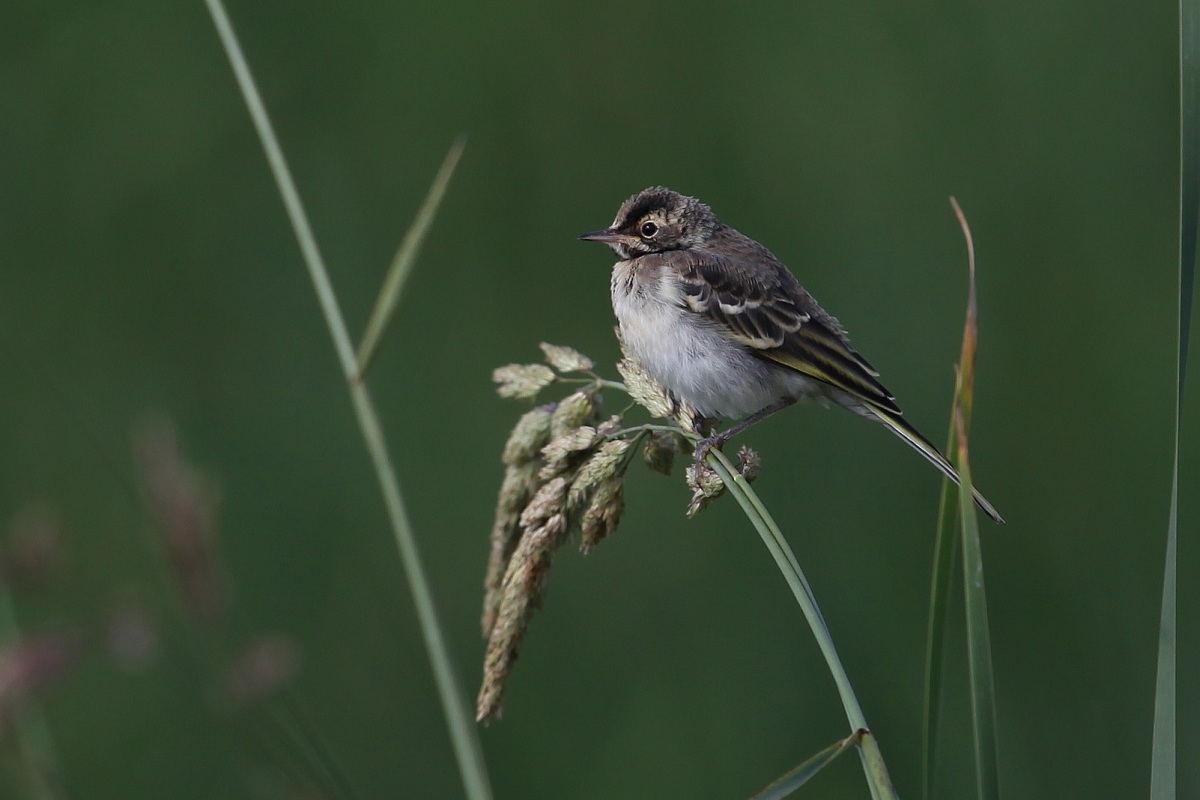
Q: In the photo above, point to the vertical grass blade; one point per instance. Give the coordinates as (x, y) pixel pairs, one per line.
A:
(956, 506)
(405, 258)
(463, 734)
(979, 647)
(935, 637)
(1189, 173)
(1162, 758)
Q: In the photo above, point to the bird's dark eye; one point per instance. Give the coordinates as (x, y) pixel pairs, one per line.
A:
(649, 229)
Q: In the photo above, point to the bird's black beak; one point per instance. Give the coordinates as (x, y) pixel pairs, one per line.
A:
(607, 236)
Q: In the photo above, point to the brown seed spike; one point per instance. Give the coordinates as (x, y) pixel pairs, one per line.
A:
(524, 590)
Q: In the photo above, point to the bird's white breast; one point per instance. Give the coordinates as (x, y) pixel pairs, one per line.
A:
(691, 355)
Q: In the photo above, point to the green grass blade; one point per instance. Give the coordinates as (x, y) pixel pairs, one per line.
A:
(797, 777)
(1163, 755)
(463, 734)
(405, 258)
(1189, 172)
(979, 646)
(935, 638)
(949, 513)
(872, 758)
(951, 510)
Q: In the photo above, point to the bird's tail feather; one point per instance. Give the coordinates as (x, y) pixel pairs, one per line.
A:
(908, 433)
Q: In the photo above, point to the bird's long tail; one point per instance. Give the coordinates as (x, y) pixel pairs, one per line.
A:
(908, 433)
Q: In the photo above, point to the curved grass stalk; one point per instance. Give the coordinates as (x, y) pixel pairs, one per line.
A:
(868, 749)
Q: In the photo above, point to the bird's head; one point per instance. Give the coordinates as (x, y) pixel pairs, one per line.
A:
(655, 220)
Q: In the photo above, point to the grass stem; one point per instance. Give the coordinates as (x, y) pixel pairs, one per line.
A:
(872, 758)
(463, 734)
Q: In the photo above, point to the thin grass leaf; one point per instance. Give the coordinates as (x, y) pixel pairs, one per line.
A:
(463, 734)
(797, 777)
(405, 258)
(876, 772)
(944, 543)
(979, 647)
(939, 602)
(1163, 754)
(1189, 172)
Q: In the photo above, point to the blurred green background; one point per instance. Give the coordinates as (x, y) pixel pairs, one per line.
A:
(146, 265)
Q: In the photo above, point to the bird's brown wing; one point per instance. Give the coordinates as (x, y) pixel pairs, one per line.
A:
(772, 315)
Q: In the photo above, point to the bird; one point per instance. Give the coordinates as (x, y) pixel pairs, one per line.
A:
(723, 324)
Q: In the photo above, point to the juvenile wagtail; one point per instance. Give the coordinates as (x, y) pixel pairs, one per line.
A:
(723, 324)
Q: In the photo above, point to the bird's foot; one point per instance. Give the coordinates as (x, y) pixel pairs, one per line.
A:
(705, 446)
